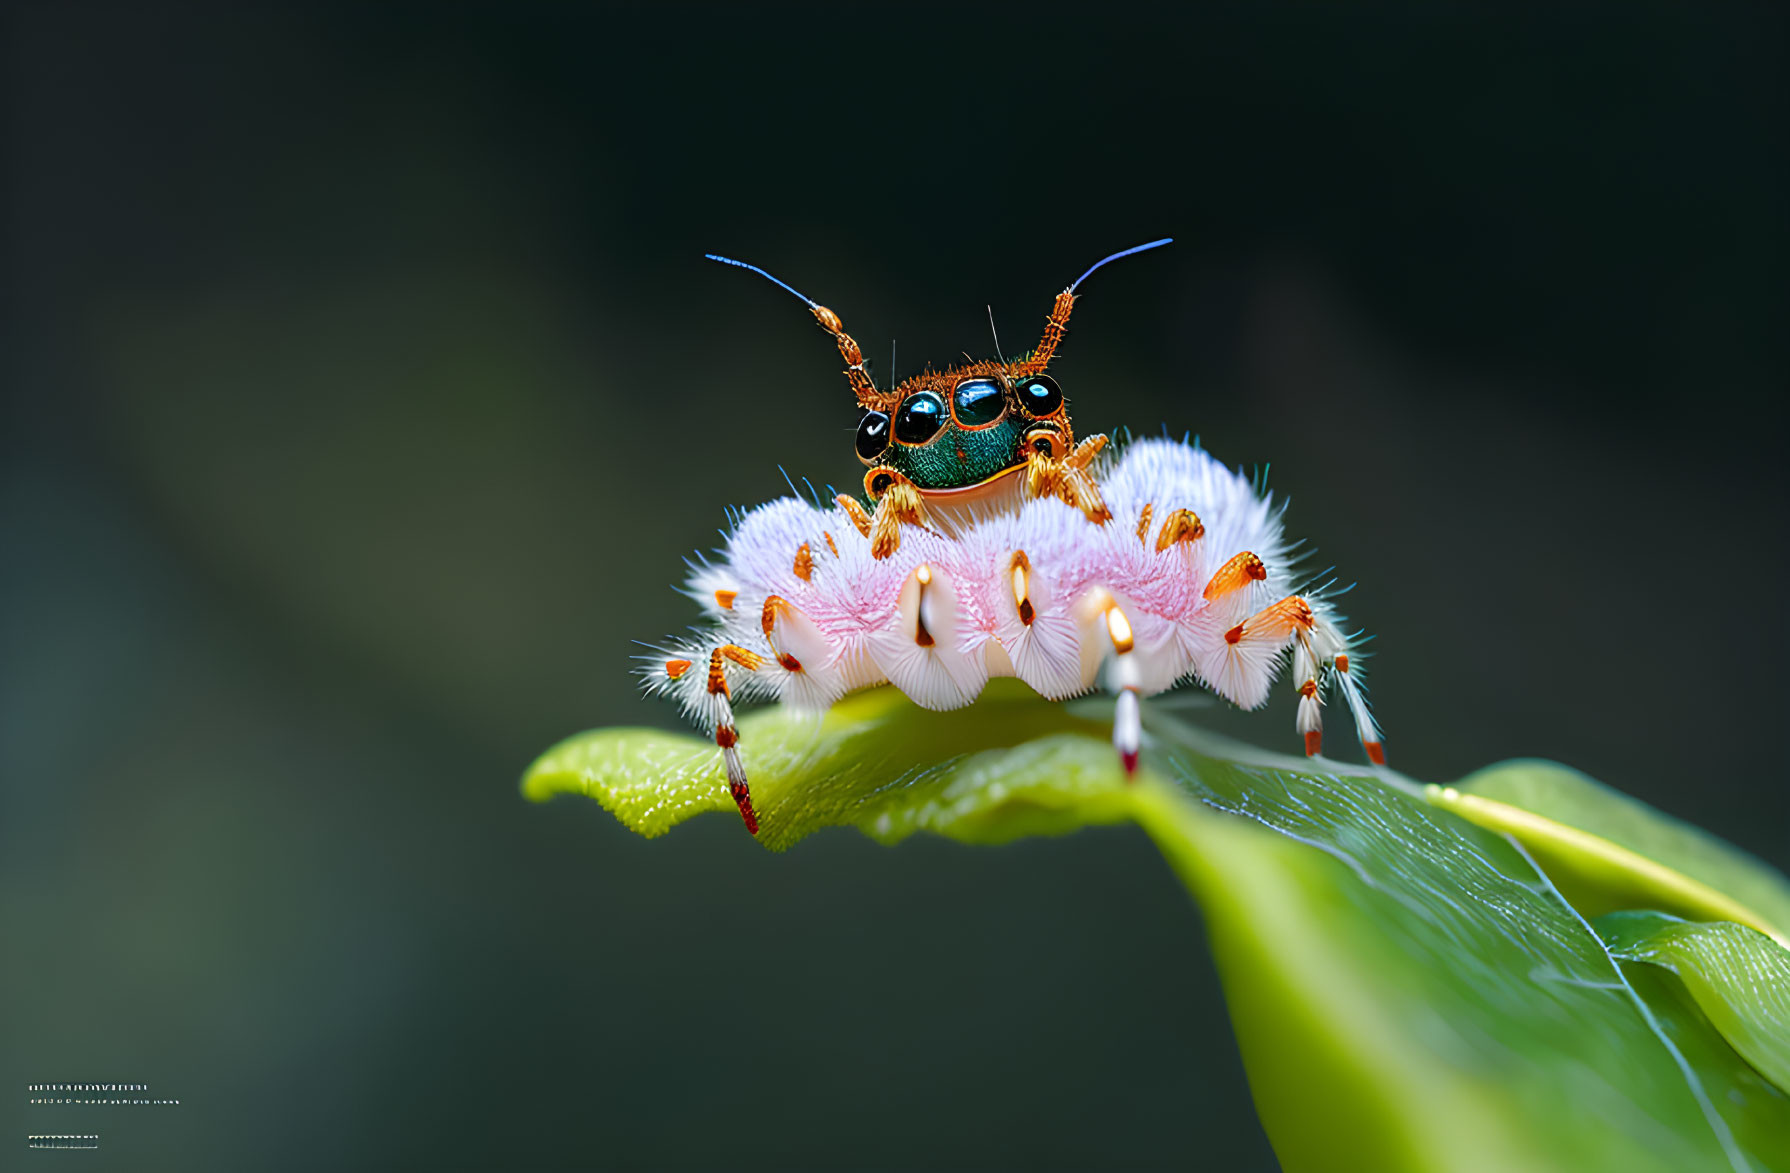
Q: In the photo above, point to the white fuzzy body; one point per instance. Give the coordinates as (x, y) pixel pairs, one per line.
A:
(944, 612)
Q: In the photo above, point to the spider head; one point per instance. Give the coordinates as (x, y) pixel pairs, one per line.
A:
(958, 430)
(961, 427)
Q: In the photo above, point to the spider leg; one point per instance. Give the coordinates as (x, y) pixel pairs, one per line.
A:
(719, 712)
(1124, 677)
(1365, 725)
(927, 651)
(1243, 661)
(1320, 660)
(1308, 674)
(1248, 662)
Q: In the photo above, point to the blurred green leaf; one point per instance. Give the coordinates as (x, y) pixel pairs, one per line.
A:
(1607, 851)
(1738, 977)
(1410, 990)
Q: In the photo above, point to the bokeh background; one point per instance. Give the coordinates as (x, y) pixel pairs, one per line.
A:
(364, 391)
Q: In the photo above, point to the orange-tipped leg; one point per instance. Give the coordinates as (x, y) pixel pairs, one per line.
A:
(1292, 622)
(737, 786)
(1365, 725)
(727, 738)
(1310, 719)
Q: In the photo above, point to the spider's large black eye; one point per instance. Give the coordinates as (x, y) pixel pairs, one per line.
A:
(1040, 396)
(978, 402)
(919, 418)
(873, 435)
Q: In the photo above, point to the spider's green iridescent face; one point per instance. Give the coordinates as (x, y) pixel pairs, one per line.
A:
(958, 428)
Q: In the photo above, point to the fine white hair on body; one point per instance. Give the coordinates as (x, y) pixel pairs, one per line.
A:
(809, 615)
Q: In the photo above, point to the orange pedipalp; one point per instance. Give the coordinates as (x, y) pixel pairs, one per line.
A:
(855, 511)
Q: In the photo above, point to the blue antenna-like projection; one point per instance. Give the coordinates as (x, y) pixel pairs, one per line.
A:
(812, 304)
(1107, 260)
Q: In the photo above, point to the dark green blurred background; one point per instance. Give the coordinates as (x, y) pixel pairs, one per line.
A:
(365, 390)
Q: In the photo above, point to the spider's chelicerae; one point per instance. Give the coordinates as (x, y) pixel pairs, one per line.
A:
(991, 542)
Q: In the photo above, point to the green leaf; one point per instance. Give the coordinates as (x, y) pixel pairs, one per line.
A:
(1410, 991)
(876, 762)
(1738, 977)
(1608, 851)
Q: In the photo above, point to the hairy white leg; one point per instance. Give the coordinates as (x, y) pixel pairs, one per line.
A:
(1365, 726)
(811, 679)
(1250, 657)
(1241, 662)
(1320, 658)
(1040, 632)
(1128, 730)
(922, 649)
(1124, 679)
(1308, 671)
(719, 714)
(1236, 670)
